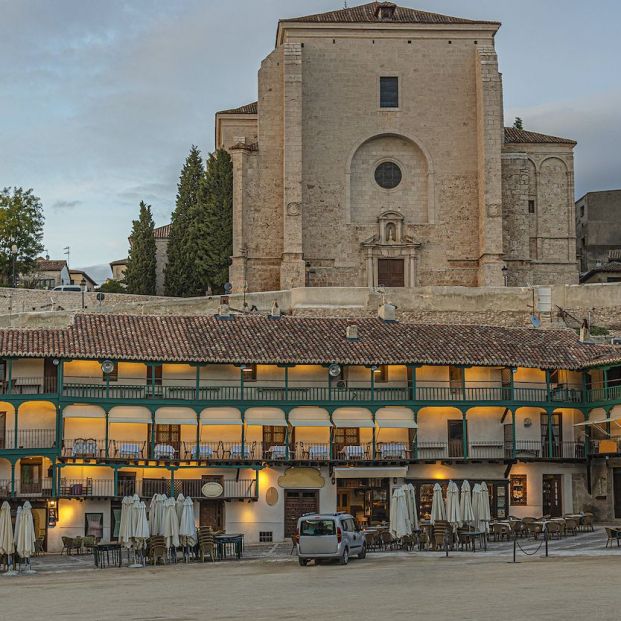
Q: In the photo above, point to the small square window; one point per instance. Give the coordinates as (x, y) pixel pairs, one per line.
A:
(266, 536)
(249, 372)
(531, 206)
(389, 92)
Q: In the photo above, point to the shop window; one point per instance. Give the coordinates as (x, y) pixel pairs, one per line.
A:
(519, 495)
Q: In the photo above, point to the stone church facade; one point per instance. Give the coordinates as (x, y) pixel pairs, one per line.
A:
(377, 155)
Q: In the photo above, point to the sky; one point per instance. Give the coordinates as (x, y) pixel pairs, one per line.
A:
(101, 101)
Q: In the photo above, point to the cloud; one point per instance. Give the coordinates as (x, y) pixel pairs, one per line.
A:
(61, 205)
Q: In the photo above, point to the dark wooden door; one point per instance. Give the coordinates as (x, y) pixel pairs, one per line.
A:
(297, 503)
(275, 436)
(49, 375)
(212, 514)
(127, 484)
(456, 438)
(616, 481)
(557, 435)
(552, 495)
(170, 435)
(30, 475)
(345, 436)
(390, 273)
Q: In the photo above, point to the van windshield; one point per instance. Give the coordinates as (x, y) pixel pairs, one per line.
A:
(317, 528)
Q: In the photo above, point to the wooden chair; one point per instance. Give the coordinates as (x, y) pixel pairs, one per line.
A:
(442, 535)
(387, 540)
(156, 549)
(501, 531)
(613, 535)
(587, 522)
(207, 544)
(554, 529)
(68, 545)
(571, 526)
(373, 541)
(89, 544)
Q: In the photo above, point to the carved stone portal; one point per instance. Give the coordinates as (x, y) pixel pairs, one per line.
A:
(390, 242)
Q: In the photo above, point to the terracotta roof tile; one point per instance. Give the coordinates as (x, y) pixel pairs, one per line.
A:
(250, 108)
(513, 135)
(368, 13)
(162, 232)
(51, 265)
(258, 339)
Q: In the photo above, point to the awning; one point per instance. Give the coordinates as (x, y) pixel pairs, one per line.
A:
(309, 417)
(370, 473)
(612, 419)
(83, 410)
(395, 418)
(352, 417)
(128, 414)
(221, 416)
(175, 416)
(266, 417)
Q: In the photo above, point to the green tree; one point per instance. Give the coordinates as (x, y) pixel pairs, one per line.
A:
(112, 286)
(21, 229)
(140, 273)
(518, 123)
(218, 198)
(183, 262)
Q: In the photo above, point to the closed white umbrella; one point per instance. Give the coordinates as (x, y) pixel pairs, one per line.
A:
(26, 536)
(160, 514)
(7, 543)
(486, 515)
(438, 510)
(153, 514)
(139, 531)
(465, 504)
(18, 520)
(125, 528)
(410, 497)
(171, 524)
(453, 511)
(399, 520)
(187, 527)
(179, 507)
(477, 506)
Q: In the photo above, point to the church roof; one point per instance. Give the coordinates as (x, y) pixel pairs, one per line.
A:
(521, 136)
(162, 232)
(375, 12)
(250, 108)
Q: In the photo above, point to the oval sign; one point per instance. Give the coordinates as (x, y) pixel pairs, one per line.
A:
(212, 489)
(271, 496)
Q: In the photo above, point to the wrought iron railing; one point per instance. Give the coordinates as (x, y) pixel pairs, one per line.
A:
(28, 439)
(28, 386)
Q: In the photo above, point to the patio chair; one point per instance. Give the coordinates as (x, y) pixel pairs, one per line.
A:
(89, 544)
(612, 534)
(501, 531)
(39, 546)
(77, 544)
(587, 522)
(373, 541)
(441, 535)
(68, 545)
(387, 540)
(554, 529)
(156, 549)
(571, 526)
(207, 544)
(407, 542)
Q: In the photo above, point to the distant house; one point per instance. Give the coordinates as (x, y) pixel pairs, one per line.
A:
(118, 268)
(50, 273)
(80, 277)
(608, 271)
(161, 234)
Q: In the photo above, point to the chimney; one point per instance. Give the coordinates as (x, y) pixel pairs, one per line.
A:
(351, 332)
(275, 312)
(585, 332)
(224, 311)
(387, 313)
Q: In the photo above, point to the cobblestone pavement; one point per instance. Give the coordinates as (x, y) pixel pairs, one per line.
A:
(583, 544)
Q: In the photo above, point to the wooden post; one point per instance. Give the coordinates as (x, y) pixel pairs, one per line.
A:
(465, 433)
(513, 435)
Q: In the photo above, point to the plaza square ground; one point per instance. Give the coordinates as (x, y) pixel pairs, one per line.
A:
(576, 581)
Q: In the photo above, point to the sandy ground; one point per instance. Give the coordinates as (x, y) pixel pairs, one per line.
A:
(425, 586)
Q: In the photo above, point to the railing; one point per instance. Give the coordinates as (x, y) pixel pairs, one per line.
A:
(87, 487)
(610, 393)
(28, 439)
(432, 450)
(491, 449)
(28, 386)
(42, 487)
(242, 488)
(323, 392)
(608, 446)
(534, 449)
(5, 488)
(84, 448)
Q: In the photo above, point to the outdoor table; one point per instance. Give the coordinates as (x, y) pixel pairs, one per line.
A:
(354, 450)
(104, 552)
(397, 451)
(164, 451)
(278, 451)
(129, 450)
(236, 452)
(234, 543)
(473, 536)
(204, 451)
(318, 452)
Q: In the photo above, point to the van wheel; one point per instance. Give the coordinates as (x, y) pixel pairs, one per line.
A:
(344, 557)
(363, 552)
(303, 561)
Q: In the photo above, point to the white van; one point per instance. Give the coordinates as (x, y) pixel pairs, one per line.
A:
(74, 288)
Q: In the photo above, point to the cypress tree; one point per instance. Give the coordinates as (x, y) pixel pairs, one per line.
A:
(218, 199)
(181, 267)
(140, 272)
